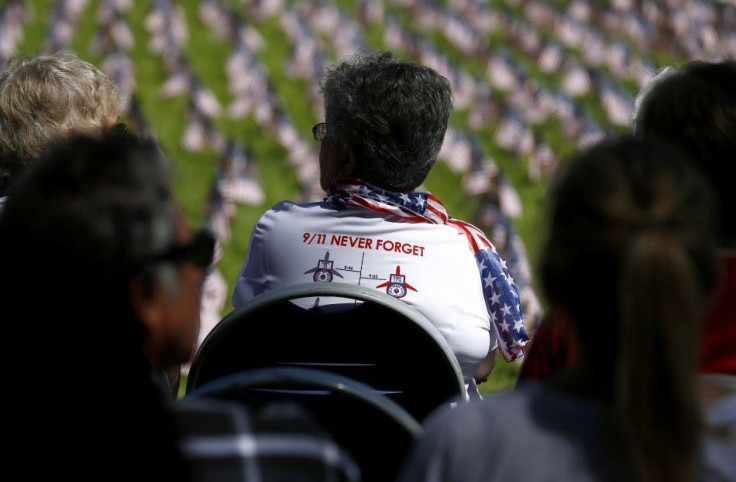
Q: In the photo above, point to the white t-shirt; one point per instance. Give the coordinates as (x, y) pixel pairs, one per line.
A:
(429, 266)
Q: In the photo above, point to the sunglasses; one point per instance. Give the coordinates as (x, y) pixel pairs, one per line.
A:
(200, 251)
(319, 131)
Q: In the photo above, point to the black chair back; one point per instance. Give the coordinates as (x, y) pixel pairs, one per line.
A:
(371, 337)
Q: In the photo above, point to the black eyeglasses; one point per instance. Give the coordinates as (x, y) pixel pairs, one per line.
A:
(200, 251)
(319, 131)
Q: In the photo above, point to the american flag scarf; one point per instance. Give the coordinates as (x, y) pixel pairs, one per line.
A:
(501, 296)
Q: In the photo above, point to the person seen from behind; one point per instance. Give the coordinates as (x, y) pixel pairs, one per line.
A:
(385, 122)
(47, 97)
(630, 258)
(694, 107)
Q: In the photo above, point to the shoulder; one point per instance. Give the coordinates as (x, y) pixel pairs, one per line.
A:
(453, 438)
(480, 419)
(719, 444)
(285, 208)
(530, 408)
(199, 416)
(214, 430)
(528, 422)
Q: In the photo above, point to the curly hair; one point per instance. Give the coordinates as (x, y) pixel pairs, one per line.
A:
(392, 113)
(45, 97)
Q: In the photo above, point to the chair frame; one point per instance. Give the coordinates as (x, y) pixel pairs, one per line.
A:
(444, 384)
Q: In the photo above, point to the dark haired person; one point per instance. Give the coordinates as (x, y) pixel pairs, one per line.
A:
(102, 274)
(385, 121)
(694, 107)
(633, 220)
(101, 288)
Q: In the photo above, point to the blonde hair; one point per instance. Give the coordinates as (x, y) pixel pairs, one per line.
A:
(43, 98)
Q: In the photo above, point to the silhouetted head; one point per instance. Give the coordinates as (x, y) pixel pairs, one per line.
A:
(694, 107)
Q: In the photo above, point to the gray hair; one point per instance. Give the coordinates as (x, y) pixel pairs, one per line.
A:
(392, 113)
(643, 94)
(43, 98)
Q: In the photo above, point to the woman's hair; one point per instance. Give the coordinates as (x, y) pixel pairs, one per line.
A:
(694, 107)
(392, 113)
(45, 97)
(631, 256)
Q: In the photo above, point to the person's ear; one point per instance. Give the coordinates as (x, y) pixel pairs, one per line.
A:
(347, 161)
(145, 303)
(109, 122)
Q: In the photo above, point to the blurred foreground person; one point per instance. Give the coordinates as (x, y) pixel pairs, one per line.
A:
(385, 122)
(101, 287)
(102, 274)
(631, 260)
(694, 107)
